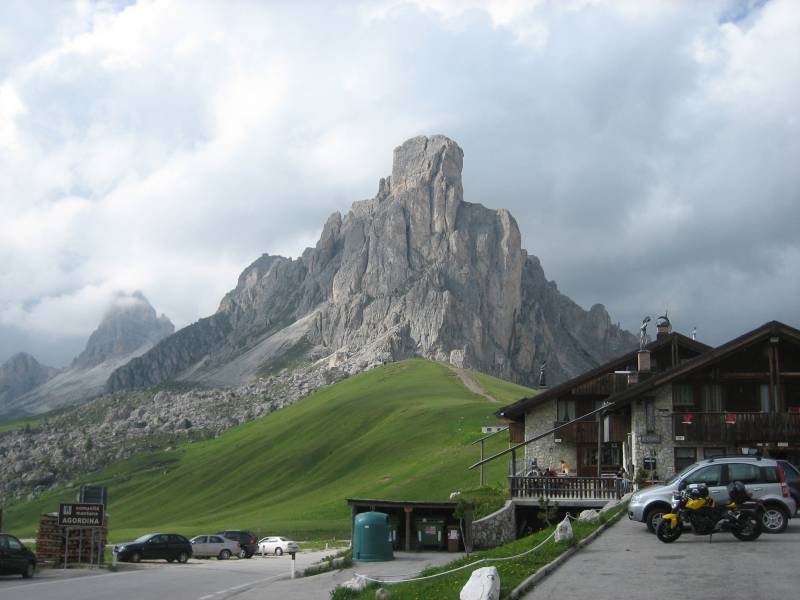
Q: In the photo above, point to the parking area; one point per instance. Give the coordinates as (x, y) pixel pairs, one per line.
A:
(199, 578)
(628, 562)
(207, 579)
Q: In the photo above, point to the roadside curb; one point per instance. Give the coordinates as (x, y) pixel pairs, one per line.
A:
(553, 565)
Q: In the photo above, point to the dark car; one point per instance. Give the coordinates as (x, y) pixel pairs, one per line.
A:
(248, 543)
(15, 558)
(792, 475)
(169, 546)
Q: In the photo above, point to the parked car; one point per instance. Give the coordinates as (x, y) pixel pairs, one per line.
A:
(15, 558)
(214, 545)
(763, 477)
(792, 475)
(247, 541)
(169, 546)
(277, 546)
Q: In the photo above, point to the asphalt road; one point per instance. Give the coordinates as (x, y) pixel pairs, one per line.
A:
(265, 578)
(196, 580)
(628, 562)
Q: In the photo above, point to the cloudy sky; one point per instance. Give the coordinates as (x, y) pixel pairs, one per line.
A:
(650, 151)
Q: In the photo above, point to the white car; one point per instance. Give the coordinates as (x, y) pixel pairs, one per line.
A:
(277, 546)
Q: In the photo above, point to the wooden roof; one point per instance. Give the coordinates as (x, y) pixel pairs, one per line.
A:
(520, 407)
(766, 331)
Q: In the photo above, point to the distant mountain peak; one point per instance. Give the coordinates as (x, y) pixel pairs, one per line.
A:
(129, 324)
(20, 374)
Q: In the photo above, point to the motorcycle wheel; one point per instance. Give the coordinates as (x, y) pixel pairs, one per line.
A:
(748, 528)
(666, 533)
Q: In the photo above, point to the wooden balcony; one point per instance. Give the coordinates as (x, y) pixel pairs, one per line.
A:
(737, 428)
(604, 385)
(585, 432)
(568, 491)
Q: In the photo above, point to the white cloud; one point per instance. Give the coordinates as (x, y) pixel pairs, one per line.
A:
(163, 146)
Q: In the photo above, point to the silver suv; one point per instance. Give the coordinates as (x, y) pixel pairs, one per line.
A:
(763, 477)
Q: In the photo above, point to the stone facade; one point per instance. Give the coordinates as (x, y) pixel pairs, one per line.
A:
(546, 451)
(656, 443)
(661, 443)
(495, 529)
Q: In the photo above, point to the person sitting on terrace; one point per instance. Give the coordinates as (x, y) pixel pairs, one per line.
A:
(564, 467)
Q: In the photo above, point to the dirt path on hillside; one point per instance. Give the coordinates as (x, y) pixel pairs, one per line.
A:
(472, 385)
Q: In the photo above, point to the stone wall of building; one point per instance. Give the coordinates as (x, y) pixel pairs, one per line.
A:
(658, 443)
(546, 451)
(495, 529)
(662, 443)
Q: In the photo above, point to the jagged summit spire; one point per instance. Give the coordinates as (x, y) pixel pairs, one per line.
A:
(421, 160)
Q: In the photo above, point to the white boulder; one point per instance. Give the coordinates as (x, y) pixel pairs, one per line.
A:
(564, 532)
(483, 584)
(357, 583)
(590, 516)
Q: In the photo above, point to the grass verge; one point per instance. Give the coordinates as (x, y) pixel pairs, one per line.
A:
(512, 572)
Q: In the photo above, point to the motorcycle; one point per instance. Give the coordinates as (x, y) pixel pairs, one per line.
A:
(693, 505)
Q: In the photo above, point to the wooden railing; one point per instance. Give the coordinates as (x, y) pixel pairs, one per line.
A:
(568, 488)
(736, 427)
(585, 432)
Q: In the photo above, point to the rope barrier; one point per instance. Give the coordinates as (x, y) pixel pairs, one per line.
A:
(461, 568)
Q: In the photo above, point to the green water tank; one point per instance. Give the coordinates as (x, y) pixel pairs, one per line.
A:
(371, 537)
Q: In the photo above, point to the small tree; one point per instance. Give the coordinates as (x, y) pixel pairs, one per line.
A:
(463, 512)
(548, 511)
(641, 477)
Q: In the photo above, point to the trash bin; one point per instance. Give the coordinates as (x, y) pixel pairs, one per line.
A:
(430, 532)
(371, 537)
(453, 538)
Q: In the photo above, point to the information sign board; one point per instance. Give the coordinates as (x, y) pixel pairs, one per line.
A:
(81, 515)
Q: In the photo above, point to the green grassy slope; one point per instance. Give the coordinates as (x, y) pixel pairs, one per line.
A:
(502, 390)
(402, 431)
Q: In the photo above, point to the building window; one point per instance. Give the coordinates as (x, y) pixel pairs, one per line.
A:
(684, 457)
(712, 397)
(713, 452)
(566, 410)
(650, 415)
(683, 395)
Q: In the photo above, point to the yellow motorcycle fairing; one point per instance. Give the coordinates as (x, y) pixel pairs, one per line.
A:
(699, 503)
(672, 518)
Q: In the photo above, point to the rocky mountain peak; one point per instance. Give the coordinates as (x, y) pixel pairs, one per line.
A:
(414, 271)
(20, 374)
(129, 324)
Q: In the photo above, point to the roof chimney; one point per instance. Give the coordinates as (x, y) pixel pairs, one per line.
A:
(663, 326)
(643, 361)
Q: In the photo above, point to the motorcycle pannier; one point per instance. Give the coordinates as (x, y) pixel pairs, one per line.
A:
(738, 492)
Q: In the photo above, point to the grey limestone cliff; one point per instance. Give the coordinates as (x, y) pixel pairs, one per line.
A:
(414, 271)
